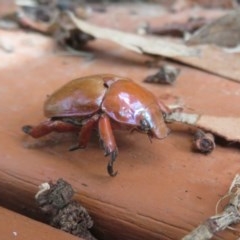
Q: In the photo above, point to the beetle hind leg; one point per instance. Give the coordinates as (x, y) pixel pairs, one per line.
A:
(108, 142)
(47, 127)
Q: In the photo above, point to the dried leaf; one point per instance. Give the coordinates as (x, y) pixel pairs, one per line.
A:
(135, 42)
(226, 127)
(214, 60)
(225, 31)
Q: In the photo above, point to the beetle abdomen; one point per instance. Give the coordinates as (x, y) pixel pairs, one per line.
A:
(79, 97)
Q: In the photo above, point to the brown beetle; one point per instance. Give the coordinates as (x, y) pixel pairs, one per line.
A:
(102, 101)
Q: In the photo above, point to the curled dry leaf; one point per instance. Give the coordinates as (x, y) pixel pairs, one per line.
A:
(226, 127)
(135, 42)
(224, 31)
(213, 59)
(203, 142)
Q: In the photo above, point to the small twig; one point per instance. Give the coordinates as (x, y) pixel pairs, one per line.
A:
(230, 215)
(176, 29)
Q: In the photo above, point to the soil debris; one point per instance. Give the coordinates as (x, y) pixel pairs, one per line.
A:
(47, 17)
(167, 74)
(64, 213)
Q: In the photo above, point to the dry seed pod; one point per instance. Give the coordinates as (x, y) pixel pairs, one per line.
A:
(203, 142)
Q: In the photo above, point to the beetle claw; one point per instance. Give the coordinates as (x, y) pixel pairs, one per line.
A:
(106, 151)
(27, 129)
(110, 170)
(105, 148)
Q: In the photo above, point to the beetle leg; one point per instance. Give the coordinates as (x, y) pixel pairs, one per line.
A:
(84, 135)
(47, 127)
(108, 141)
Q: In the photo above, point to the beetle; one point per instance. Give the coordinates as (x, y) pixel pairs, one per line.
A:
(105, 102)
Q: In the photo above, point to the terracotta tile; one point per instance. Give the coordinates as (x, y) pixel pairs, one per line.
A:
(16, 226)
(163, 189)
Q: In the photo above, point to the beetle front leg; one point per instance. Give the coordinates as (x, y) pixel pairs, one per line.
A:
(47, 127)
(108, 142)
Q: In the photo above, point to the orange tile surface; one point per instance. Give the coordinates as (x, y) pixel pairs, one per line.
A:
(163, 189)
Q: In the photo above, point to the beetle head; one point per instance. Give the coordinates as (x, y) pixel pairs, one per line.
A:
(152, 123)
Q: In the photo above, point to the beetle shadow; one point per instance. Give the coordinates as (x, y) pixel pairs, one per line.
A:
(50, 141)
(124, 140)
(66, 140)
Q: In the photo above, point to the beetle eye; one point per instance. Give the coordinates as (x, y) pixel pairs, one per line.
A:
(144, 125)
